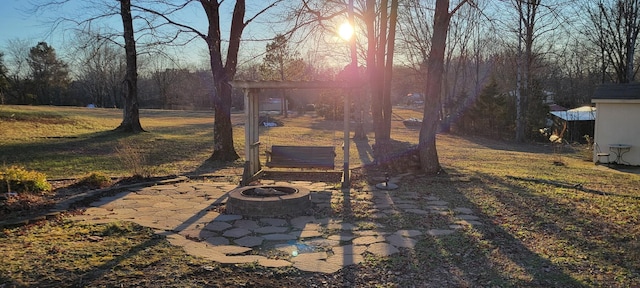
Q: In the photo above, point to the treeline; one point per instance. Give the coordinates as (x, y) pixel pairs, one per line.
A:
(44, 79)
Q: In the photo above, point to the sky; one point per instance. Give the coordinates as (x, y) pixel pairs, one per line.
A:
(19, 22)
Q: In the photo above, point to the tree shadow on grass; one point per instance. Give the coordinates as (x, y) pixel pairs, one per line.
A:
(95, 151)
(61, 150)
(565, 238)
(365, 152)
(478, 255)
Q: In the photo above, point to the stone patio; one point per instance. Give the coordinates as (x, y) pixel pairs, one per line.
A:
(184, 214)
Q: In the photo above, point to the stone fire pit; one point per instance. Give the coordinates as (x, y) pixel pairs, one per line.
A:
(269, 201)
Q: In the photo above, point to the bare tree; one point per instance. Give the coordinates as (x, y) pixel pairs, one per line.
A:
(615, 26)
(17, 55)
(465, 69)
(4, 78)
(222, 71)
(535, 19)
(99, 66)
(427, 140)
(378, 18)
(165, 79)
(223, 149)
(99, 11)
(130, 110)
(380, 50)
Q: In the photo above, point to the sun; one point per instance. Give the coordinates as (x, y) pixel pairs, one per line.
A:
(345, 31)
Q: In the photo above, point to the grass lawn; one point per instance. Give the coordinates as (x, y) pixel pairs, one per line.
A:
(545, 225)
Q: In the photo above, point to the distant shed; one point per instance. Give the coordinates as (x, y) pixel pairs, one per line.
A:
(580, 121)
(618, 119)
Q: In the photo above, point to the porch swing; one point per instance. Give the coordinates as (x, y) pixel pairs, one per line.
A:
(297, 156)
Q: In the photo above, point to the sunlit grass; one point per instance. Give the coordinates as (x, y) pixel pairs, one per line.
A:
(544, 225)
(74, 254)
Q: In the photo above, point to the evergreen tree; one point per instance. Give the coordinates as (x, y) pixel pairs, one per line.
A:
(488, 114)
(282, 63)
(50, 75)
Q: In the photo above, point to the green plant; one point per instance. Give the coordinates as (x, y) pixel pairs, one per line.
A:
(95, 180)
(19, 180)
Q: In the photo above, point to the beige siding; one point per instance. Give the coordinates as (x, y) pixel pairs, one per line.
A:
(618, 122)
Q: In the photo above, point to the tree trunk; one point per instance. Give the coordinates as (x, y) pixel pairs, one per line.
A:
(373, 88)
(223, 148)
(427, 140)
(388, 71)
(353, 72)
(130, 111)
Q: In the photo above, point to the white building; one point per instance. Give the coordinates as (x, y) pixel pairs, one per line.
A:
(617, 125)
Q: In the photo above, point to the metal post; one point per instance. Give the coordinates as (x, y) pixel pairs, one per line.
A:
(346, 181)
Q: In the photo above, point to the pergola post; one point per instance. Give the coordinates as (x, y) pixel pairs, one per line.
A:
(346, 181)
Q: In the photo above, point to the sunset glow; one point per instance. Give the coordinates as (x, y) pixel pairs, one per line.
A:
(345, 31)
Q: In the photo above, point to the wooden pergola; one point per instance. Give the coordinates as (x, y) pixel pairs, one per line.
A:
(251, 89)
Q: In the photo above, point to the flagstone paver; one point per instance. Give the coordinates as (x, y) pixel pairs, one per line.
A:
(301, 221)
(418, 211)
(278, 237)
(370, 233)
(438, 203)
(227, 217)
(463, 210)
(341, 237)
(246, 224)
(315, 262)
(348, 249)
(400, 241)
(239, 259)
(467, 217)
(382, 249)
(287, 248)
(439, 232)
(198, 234)
(409, 233)
(270, 229)
(320, 242)
(306, 233)
(307, 257)
(341, 226)
(217, 226)
(345, 260)
(236, 232)
(366, 240)
(321, 266)
(217, 240)
(249, 241)
(274, 263)
(468, 222)
(230, 249)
